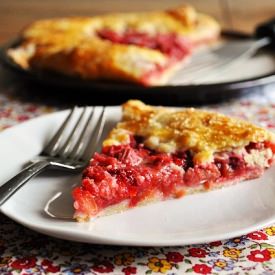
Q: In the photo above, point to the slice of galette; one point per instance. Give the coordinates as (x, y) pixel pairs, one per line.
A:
(144, 48)
(158, 153)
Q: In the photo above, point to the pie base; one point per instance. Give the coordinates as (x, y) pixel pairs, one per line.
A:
(124, 205)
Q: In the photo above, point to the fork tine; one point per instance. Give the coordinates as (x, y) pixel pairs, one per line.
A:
(206, 62)
(203, 66)
(98, 130)
(216, 59)
(197, 73)
(199, 59)
(80, 142)
(220, 58)
(220, 64)
(94, 138)
(54, 143)
(64, 151)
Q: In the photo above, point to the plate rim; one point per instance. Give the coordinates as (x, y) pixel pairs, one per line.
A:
(55, 232)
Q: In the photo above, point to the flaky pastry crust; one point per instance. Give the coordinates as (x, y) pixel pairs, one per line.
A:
(169, 130)
(73, 47)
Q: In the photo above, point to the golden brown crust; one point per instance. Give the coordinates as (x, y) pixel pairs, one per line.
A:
(186, 14)
(71, 45)
(168, 130)
(202, 132)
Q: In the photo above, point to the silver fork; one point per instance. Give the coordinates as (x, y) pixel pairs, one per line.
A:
(220, 59)
(67, 150)
(211, 63)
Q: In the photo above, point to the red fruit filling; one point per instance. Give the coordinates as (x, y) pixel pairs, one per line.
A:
(173, 45)
(133, 172)
(177, 48)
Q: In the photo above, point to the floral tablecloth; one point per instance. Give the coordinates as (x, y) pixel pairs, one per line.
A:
(26, 252)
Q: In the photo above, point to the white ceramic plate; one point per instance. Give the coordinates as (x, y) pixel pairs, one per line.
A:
(198, 218)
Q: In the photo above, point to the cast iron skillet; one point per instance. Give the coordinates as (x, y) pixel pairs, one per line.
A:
(109, 93)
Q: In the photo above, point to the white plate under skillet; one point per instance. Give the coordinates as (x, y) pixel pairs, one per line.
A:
(197, 218)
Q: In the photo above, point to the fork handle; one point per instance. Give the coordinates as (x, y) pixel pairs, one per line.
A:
(12, 185)
(267, 29)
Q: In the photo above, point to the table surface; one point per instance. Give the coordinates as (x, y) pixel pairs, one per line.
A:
(239, 15)
(26, 252)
